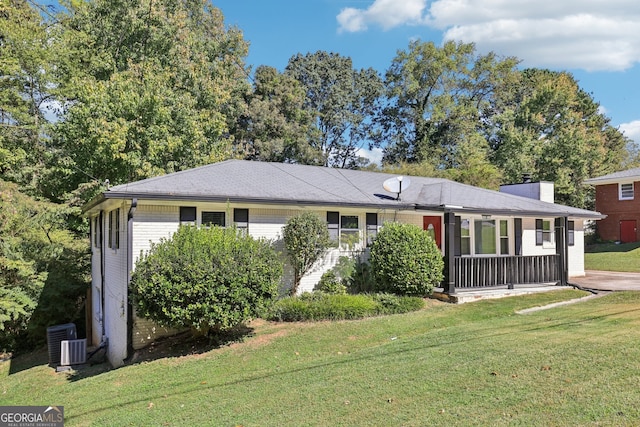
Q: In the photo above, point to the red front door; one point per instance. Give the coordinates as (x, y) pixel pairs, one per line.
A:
(628, 231)
(432, 224)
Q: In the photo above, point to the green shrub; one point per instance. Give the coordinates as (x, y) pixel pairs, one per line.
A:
(330, 283)
(205, 278)
(306, 238)
(361, 280)
(396, 304)
(405, 260)
(321, 306)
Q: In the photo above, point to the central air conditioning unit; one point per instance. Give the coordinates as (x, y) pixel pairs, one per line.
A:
(55, 336)
(73, 352)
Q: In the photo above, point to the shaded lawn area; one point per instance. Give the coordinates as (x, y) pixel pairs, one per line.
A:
(612, 257)
(471, 364)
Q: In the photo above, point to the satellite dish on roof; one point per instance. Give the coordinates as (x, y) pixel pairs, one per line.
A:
(396, 185)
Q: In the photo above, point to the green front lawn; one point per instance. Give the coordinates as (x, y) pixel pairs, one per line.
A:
(472, 364)
(613, 257)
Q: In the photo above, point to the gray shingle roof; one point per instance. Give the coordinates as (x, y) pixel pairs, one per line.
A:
(627, 176)
(280, 183)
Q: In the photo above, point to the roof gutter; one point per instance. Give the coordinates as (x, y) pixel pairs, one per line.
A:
(395, 205)
(225, 199)
(508, 212)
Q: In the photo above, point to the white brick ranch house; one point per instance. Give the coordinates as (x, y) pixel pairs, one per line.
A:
(488, 238)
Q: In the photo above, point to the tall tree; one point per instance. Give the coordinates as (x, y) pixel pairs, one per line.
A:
(43, 268)
(554, 130)
(276, 126)
(25, 93)
(342, 101)
(437, 97)
(153, 86)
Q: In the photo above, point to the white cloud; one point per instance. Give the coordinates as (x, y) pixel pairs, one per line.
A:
(374, 155)
(592, 35)
(631, 130)
(385, 13)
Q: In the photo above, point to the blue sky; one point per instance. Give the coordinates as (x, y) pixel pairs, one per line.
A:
(597, 41)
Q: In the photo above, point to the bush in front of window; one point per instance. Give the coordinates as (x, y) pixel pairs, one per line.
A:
(306, 239)
(330, 283)
(206, 278)
(405, 260)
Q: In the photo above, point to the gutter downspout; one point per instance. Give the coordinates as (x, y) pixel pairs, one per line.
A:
(103, 337)
(132, 211)
(104, 340)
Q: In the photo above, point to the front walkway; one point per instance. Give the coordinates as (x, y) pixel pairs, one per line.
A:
(608, 281)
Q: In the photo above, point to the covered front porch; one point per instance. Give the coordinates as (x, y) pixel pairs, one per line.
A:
(464, 273)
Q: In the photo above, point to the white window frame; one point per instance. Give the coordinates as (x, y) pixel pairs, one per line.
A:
(496, 239)
(550, 241)
(504, 237)
(471, 237)
(626, 191)
(336, 230)
(114, 229)
(204, 223)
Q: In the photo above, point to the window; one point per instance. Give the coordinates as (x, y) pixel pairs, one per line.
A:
(96, 241)
(114, 229)
(626, 191)
(485, 236)
(372, 227)
(543, 232)
(210, 219)
(117, 231)
(344, 230)
(187, 215)
(241, 220)
(110, 235)
(504, 237)
(465, 237)
(571, 233)
(349, 231)
(333, 224)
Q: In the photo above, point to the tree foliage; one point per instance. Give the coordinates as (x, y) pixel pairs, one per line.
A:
(437, 97)
(276, 126)
(25, 94)
(342, 101)
(39, 262)
(405, 260)
(306, 239)
(205, 278)
(153, 87)
(554, 130)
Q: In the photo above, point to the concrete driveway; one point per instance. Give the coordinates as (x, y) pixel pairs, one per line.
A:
(608, 281)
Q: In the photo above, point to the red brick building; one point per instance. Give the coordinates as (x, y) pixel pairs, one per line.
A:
(618, 197)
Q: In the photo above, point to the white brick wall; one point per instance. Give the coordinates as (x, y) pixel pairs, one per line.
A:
(576, 252)
(115, 294)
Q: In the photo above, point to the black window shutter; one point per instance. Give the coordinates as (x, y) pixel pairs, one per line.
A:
(517, 225)
(187, 213)
(241, 215)
(539, 233)
(333, 217)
